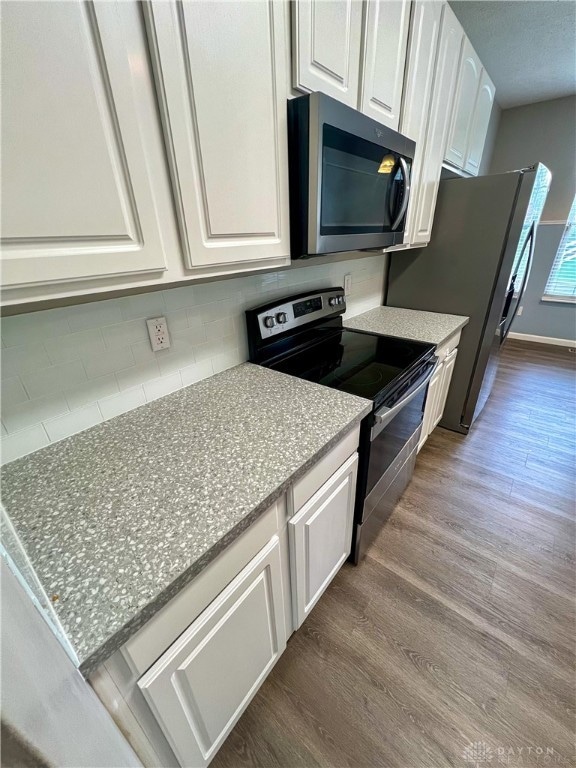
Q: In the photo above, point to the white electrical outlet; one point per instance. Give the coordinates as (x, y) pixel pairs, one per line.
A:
(158, 332)
(520, 310)
(347, 285)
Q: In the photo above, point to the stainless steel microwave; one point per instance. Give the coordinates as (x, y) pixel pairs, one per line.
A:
(349, 178)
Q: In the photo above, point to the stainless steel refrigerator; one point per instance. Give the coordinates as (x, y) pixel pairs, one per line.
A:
(483, 237)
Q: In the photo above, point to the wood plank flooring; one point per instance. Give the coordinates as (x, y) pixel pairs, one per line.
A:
(459, 625)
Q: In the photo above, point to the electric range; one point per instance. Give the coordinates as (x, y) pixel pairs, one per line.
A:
(303, 336)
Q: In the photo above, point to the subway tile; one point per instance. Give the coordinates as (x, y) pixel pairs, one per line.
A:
(125, 334)
(125, 401)
(142, 352)
(94, 315)
(110, 361)
(212, 348)
(22, 443)
(34, 327)
(219, 309)
(45, 381)
(30, 412)
(226, 360)
(181, 354)
(12, 392)
(219, 328)
(177, 320)
(196, 372)
(143, 305)
(29, 357)
(164, 385)
(73, 422)
(137, 374)
(179, 298)
(90, 391)
(72, 346)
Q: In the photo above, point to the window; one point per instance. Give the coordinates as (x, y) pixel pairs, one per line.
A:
(534, 211)
(561, 285)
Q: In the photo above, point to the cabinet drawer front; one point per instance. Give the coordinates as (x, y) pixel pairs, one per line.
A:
(78, 195)
(320, 538)
(203, 683)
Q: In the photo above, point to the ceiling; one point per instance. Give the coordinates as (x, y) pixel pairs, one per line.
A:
(527, 46)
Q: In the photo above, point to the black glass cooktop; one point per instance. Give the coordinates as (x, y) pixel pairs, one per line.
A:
(363, 364)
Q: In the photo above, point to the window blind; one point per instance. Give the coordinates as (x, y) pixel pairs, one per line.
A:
(533, 213)
(562, 279)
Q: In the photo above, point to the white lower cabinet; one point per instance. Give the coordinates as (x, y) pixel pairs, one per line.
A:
(430, 406)
(320, 536)
(438, 391)
(201, 685)
(177, 687)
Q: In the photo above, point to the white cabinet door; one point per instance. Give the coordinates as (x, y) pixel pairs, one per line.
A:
(430, 407)
(446, 72)
(384, 58)
(199, 688)
(422, 51)
(466, 91)
(78, 197)
(479, 126)
(326, 39)
(320, 538)
(447, 371)
(221, 69)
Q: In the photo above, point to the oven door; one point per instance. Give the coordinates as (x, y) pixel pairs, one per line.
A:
(389, 449)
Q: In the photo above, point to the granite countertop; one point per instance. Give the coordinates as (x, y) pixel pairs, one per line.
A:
(432, 327)
(117, 519)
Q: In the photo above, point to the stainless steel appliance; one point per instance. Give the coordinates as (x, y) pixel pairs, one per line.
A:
(477, 264)
(349, 178)
(303, 336)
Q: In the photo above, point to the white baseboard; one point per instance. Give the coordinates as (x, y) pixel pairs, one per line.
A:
(543, 339)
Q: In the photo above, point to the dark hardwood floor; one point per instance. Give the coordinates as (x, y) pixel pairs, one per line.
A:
(459, 625)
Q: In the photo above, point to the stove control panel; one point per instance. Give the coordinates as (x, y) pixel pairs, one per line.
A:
(299, 311)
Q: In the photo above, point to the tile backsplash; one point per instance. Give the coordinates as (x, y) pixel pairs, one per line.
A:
(64, 370)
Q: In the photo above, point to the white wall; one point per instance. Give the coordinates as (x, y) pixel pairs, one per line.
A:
(67, 369)
(45, 699)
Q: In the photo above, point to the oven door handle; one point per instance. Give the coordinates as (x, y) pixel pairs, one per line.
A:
(384, 415)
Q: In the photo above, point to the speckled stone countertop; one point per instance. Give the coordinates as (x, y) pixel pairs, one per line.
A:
(433, 327)
(117, 519)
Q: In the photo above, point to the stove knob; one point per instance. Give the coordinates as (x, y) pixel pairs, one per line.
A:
(282, 318)
(332, 301)
(269, 321)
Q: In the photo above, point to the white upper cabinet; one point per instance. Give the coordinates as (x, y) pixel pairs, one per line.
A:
(221, 70)
(384, 56)
(434, 144)
(479, 127)
(422, 51)
(466, 90)
(326, 40)
(472, 108)
(78, 193)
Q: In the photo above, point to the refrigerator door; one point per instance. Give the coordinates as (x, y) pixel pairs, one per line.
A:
(466, 270)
